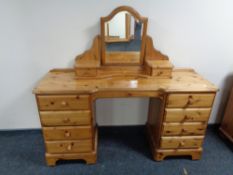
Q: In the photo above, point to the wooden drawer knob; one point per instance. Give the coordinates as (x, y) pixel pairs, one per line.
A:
(66, 120)
(189, 101)
(67, 134)
(183, 130)
(181, 143)
(186, 117)
(69, 147)
(64, 103)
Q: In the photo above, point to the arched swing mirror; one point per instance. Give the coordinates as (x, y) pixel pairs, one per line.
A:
(123, 35)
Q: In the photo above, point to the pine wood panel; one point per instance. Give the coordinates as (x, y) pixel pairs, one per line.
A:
(171, 129)
(86, 72)
(181, 142)
(190, 100)
(155, 119)
(161, 73)
(63, 102)
(160, 154)
(64, 118)
(159, 63)
(75, 146)
(155, 63)
(66, 82)
(159, 67)
(90, 156)
(67, 133)
(122, 58)
(187, 115)
(117, 94)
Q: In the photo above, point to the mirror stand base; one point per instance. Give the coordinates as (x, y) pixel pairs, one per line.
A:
(88, 64)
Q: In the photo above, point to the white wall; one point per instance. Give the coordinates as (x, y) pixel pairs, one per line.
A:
(36, 36)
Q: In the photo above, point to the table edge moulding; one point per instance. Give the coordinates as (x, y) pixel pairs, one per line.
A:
(66, 99)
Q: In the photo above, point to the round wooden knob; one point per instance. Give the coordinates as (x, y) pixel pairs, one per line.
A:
(181, 143)
(69, 147)
(190, 99)
(66, 120)
(190, 118)
(67, 134)
(64, 103)
(185, 118)
(183, 130)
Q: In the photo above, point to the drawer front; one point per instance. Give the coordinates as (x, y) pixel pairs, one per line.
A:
(69, 146)
(187, 115)
(63, 102)
(64, 118)
(161, 72)
(67, 133)
(181, 142)
(190, 100)
(171, 129)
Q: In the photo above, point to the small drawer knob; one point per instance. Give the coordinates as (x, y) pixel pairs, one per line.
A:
(181, 143)
(190, 118)
(67, 134)
(66, 120)
(183, 130)
(64, 103)
(69, 147)
(190, 98)
(185, 118)
(189, 101)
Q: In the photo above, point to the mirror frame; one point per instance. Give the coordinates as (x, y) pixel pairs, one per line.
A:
(136, 15)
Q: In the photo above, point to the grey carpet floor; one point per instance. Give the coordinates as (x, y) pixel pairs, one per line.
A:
(121, 151)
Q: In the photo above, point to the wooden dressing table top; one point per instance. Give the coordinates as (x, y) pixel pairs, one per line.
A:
(65, 81)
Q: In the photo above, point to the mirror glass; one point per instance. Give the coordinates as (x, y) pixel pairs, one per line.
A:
(123, 38)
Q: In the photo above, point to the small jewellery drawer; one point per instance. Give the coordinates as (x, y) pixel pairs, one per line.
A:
(63, 118)
(63, 102)
(77, 146)
(187, 115)
(181, 142)
(190, 100)
(170, 129)
(67, 133)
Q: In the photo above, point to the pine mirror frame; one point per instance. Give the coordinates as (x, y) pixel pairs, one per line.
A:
(136, 15)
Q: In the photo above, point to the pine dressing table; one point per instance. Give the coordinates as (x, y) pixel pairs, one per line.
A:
(123, 63)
